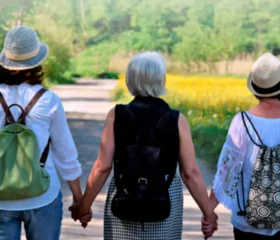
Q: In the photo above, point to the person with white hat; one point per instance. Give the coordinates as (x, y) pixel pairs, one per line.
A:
(27, 106)
(247, 181)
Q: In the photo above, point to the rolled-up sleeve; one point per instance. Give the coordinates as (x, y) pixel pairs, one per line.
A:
(64, 151)
(230, 163)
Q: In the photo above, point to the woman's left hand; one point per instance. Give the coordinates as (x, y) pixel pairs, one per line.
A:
(207, 229)
(84, 220)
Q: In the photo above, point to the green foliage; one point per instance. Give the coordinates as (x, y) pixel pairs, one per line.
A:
(58, 39)
(108, 75)
(196, 32)
(95, 60)
(208, 141)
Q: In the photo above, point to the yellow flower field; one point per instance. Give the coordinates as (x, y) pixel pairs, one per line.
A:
(209, 103)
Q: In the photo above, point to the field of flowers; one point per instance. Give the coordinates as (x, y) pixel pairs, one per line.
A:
(209, 103)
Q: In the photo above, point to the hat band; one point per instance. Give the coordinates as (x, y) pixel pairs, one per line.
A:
(22, 57)
(270, 90)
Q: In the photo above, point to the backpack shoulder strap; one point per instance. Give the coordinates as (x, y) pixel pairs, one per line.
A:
(31, 104)
(9, 116)
(170, 114)
(34, 100)
(125, 108)
(174, 114)
(121, 112)
(244, 114)
(45, 154)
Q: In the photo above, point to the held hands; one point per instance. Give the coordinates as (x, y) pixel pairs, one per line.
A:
(209, 225)
(77, 214)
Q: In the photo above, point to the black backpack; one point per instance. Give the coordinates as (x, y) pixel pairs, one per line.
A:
(143, 170)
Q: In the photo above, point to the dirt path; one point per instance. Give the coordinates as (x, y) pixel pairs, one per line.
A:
(86, 104)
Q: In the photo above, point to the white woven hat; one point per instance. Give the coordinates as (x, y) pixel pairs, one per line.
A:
(23, 49)
(264, 79)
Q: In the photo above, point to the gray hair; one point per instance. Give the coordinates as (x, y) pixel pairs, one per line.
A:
(146, 75)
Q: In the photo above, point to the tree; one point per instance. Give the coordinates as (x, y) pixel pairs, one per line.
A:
(198, 32)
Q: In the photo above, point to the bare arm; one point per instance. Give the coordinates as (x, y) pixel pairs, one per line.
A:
(75, 188)
(102, 166)
(189, 170)
(64, 152)
(213, 200)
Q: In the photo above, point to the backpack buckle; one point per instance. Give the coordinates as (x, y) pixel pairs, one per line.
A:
(143, 180)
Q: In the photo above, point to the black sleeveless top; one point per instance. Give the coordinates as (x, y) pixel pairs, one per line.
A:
(144, 112)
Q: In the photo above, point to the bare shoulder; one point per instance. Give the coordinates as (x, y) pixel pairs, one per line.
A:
(183, 122)
(182, 117)
(111, 115)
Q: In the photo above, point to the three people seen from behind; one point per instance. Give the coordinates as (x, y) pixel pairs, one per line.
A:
(145, 143)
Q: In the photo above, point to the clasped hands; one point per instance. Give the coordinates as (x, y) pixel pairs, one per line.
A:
(77, 213)
(209, 224)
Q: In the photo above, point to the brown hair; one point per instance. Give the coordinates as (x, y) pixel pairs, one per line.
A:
(31, 76)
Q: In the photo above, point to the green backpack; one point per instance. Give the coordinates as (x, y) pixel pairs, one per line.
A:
(22, 173)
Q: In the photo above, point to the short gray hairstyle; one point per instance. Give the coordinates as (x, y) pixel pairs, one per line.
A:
(146, 75)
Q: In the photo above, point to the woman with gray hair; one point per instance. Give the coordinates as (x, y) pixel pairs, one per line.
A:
(145, 140)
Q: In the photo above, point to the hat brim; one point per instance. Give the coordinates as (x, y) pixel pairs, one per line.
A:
(26, 64)
(252, 90)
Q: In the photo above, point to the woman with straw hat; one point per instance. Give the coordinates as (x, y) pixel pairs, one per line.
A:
(247, 181)
(21, 77)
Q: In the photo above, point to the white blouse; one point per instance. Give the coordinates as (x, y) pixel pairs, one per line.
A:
(239, 153)
(47, 119)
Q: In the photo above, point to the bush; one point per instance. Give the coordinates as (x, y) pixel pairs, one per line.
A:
(108, 75)
(76, 75)
(58, 39)
(95, 61)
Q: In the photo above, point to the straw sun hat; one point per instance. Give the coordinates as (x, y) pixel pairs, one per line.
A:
(264, 79)
(23, 49)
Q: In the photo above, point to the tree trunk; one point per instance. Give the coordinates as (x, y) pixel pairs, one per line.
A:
(227, 65)
(260, 44)
(83, 18)
(19, 17)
